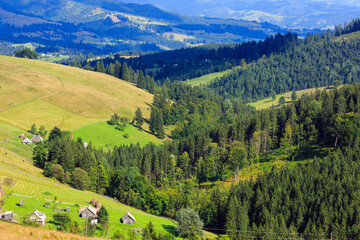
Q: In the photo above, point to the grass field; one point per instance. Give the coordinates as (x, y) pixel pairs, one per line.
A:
(269, 102)
(52, 95)
(206, 79)
(104, 135)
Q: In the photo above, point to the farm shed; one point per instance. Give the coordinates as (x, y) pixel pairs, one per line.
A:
(38, 217)
(26, 141)
(8, 215)
(128, 219)
(90, 211)
(22, 136)
(37, 139)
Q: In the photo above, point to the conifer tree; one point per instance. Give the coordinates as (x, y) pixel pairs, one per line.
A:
(138, 119)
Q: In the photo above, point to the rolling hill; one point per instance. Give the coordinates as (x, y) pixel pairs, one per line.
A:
(287, 13)
(101, 27)
(55, 95)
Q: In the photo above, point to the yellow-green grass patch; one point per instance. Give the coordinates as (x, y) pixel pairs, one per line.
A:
(104, 135)
(207, 79)
(49, 94)
(17, 232)
(269, 102)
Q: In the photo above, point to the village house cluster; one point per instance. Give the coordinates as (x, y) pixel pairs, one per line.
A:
(90, 212)
(34, 139)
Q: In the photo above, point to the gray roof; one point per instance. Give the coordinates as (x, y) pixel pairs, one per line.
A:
(26, 140)
(130, 216)
(92, 209)
(39, 214)
(37, 138)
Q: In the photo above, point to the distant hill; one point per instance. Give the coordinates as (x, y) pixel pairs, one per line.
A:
(101, 27)
(287, 13)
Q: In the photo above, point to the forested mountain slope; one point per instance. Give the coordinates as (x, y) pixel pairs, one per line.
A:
(315, 63)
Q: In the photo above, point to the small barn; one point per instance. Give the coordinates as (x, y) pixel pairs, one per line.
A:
(67, 209)
(26, 141)
(21, 203)
(37, 139)
(38, 217)
(22, 136)
(47, 205)
(90, 211)
(8, 215)
(128, 219)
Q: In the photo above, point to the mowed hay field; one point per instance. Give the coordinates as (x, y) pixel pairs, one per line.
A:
(49, 94)
(16, 232)
(25, 182)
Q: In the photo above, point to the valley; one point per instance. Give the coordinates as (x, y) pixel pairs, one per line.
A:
(159, 126)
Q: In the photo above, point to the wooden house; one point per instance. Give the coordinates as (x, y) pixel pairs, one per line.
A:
(8, 215)
(89, 212)
(128, 219)
(26, 141)
(37, 139)
(38, 217)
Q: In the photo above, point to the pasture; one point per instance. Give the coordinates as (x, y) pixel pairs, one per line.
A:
(206, 79)
(104, 135)
(269, 102)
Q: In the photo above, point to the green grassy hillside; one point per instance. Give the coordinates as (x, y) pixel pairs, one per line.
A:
(24, 181)
(269, 102)
(104, 135)
(55, 95)
(206, 79)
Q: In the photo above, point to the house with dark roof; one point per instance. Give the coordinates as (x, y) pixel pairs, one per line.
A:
(128, 219)
(38, 217)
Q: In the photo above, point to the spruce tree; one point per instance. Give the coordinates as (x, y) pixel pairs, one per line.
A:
(138, 119)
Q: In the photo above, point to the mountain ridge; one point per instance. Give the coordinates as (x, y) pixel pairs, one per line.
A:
(84, 25)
